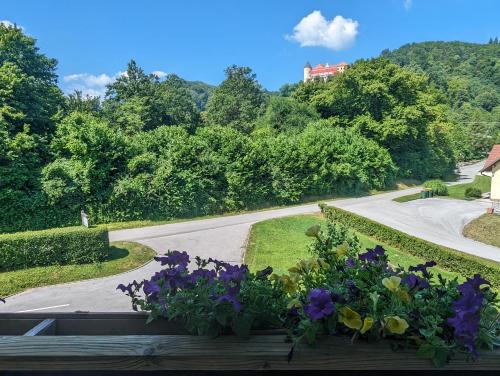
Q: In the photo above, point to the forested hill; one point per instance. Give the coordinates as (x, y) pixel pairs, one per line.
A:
(200, 92)
(469, 75)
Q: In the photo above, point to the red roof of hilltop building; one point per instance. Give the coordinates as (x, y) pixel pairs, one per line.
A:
(493, 158)
(325, 70)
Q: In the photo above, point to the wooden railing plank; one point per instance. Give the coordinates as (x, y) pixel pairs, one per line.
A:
(179, 352)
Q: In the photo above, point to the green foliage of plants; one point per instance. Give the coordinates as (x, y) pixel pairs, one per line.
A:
(237, 101)
(338, 291)
(469, 76)
(59, 246)
(122, 256)
(446, 258)
(282, 242)
(438, 187)
(213, 299)
(147, 152)
(473, 192)
(393, 106)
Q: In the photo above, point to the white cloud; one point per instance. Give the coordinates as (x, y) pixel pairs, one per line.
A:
(159, 73)
(407, 4)
(315, 30)
(8, 23)
(95, 85)
(89, 84)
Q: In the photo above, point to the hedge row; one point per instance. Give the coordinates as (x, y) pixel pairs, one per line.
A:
(446, 258)
(70, 245)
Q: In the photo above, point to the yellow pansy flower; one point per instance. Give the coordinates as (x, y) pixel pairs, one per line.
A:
(294, 303)
(392, 283)
(342, 250)
(403, 295)
(294, 269)
(395, 324)
(367, 324)
(289, 284)
(350, 318)
(323, 263)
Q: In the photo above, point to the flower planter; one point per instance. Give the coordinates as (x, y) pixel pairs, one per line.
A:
(123, 342)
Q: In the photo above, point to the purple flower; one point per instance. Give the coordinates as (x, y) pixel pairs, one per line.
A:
(465, 321)
(373, 255)
(130, 289)
(423, 268)
(354, 291)
(233, 273)
(320, 304)
(473, 283)
(151, 287)
(174, 258)
(202, 274)
(350, 262)
(413, 281)
(265, 272)
(231, 299)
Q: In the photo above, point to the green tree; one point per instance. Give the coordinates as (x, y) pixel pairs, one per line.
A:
(28, 89)
(139, 102)
(237, 101)
(82, 103)
(286, 114)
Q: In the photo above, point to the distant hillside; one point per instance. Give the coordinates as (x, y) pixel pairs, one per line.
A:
(200, 91)
(469, 75)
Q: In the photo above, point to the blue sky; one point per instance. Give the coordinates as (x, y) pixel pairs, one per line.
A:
(94, 40)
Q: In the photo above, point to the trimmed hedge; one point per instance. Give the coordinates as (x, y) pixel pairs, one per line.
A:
(473, 192)
(60, 246)
(446, 258)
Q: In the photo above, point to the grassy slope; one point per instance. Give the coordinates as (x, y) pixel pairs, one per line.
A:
(281, 242)
(485, 229)
(456, 191)
(123, 256)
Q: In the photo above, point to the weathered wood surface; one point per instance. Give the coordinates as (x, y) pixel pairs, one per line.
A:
(181, 352)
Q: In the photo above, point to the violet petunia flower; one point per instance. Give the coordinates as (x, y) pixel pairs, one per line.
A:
(320, 304)
(372, 255)
(423, 268)
(231, 299)
(413, 281)
(467, 308)
(174, 258)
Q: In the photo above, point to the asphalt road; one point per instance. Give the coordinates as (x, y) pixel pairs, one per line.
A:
(436, 220)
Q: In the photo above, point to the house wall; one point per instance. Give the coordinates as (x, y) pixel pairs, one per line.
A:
(495, 182)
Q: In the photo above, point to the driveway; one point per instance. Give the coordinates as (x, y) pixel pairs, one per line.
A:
(436, 220)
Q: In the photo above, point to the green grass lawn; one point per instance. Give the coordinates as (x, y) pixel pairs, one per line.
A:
(458, 191)
(282, 242)
(407, 198)
(123, 256)
(455, 191)
(485, 229)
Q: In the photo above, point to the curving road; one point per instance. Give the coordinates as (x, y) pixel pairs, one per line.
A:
(437, 220)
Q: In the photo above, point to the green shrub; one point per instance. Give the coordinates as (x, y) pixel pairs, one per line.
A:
(473, 192)
(60, 246)
(447, 258)
(437, 186)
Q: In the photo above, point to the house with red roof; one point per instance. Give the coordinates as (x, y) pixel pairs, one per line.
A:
(321, 71)
(492, 165)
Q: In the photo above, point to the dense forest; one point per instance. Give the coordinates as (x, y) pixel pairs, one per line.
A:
(167, 148)
(469, 76)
